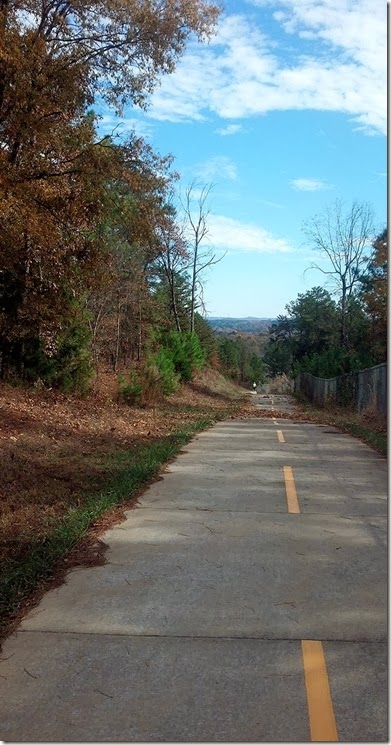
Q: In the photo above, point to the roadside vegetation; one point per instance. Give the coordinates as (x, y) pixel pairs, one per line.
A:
(329, 335)
(68, 462)
(107, 362)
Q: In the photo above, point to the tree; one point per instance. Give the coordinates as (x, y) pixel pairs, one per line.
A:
(207, 339)
(172, 258)
(342, 236)
(118, 48)
(49, 238)
(277, 359)
(313, 319)
(239, 361)
(56, 57)
(307, 339)
(123, 308)
(229, 357)
(374, 295)
(196, 212)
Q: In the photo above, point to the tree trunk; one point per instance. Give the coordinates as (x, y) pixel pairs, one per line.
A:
(193, 289)
(139, 331)
(173, 303)
(343, 314)
(115, 366)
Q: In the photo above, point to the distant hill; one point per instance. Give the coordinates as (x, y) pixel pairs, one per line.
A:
(226, 326)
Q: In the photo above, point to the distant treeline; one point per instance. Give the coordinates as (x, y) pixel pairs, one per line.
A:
(223, 326)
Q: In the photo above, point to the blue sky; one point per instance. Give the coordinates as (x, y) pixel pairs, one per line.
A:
(283, 111)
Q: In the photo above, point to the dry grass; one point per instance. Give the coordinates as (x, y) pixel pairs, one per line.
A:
(57, 450)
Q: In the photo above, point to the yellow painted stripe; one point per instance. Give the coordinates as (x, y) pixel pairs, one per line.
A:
(320, 705)
(280, 436)
(290, 488)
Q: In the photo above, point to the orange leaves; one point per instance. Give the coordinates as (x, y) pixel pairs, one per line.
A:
(55, 178)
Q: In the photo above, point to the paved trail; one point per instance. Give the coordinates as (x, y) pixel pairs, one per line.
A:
(244, 600)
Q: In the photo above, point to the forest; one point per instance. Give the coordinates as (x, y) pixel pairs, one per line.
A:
(102, 263)
(96, 268)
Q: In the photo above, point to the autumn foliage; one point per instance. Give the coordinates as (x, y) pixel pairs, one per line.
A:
(81, 216)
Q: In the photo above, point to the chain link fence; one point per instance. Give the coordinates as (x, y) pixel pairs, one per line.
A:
(362, 390)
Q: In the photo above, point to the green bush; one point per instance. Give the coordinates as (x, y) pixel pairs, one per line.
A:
(69, 367)
(130, 390)
(160, 375)
(146, 386)
(169, 378)
(186, 353)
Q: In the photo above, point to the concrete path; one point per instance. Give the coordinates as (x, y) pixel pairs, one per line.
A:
(244, 600)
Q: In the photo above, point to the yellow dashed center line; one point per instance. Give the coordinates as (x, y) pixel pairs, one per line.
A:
(280, 436)
(320, 705)
(290, 488)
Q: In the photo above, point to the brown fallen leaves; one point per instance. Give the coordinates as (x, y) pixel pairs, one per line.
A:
(55, 449)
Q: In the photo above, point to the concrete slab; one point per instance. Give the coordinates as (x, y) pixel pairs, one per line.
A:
(183, 573)
(191, 632)
(339, 491)
(250, 489)
(81, 688)
(238, 466)
(274, 402)
(253, 443)
(358, 678)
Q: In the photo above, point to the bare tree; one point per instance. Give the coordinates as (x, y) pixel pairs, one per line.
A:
(342, 236)
(172, 258)
(196, 212)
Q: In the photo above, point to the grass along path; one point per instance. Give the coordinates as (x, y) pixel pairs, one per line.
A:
(131, 470)
(71, 467)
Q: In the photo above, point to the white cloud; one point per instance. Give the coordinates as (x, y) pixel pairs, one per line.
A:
(309, 184)
(215, 169)
(334, 60)
(230, 129)
(228, 234)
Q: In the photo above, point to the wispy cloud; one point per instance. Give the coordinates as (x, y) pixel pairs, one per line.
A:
(228, 234)
(268, 203)
(309, 184)
(215, 169)
(230, 129)
(333, 66)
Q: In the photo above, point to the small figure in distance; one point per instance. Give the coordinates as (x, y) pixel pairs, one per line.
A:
(254, 387)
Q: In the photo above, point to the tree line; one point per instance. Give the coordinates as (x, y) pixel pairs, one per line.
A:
(331, 333)
(98, 265)
(95, 264)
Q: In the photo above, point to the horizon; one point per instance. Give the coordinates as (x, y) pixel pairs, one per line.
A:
(240, 318)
